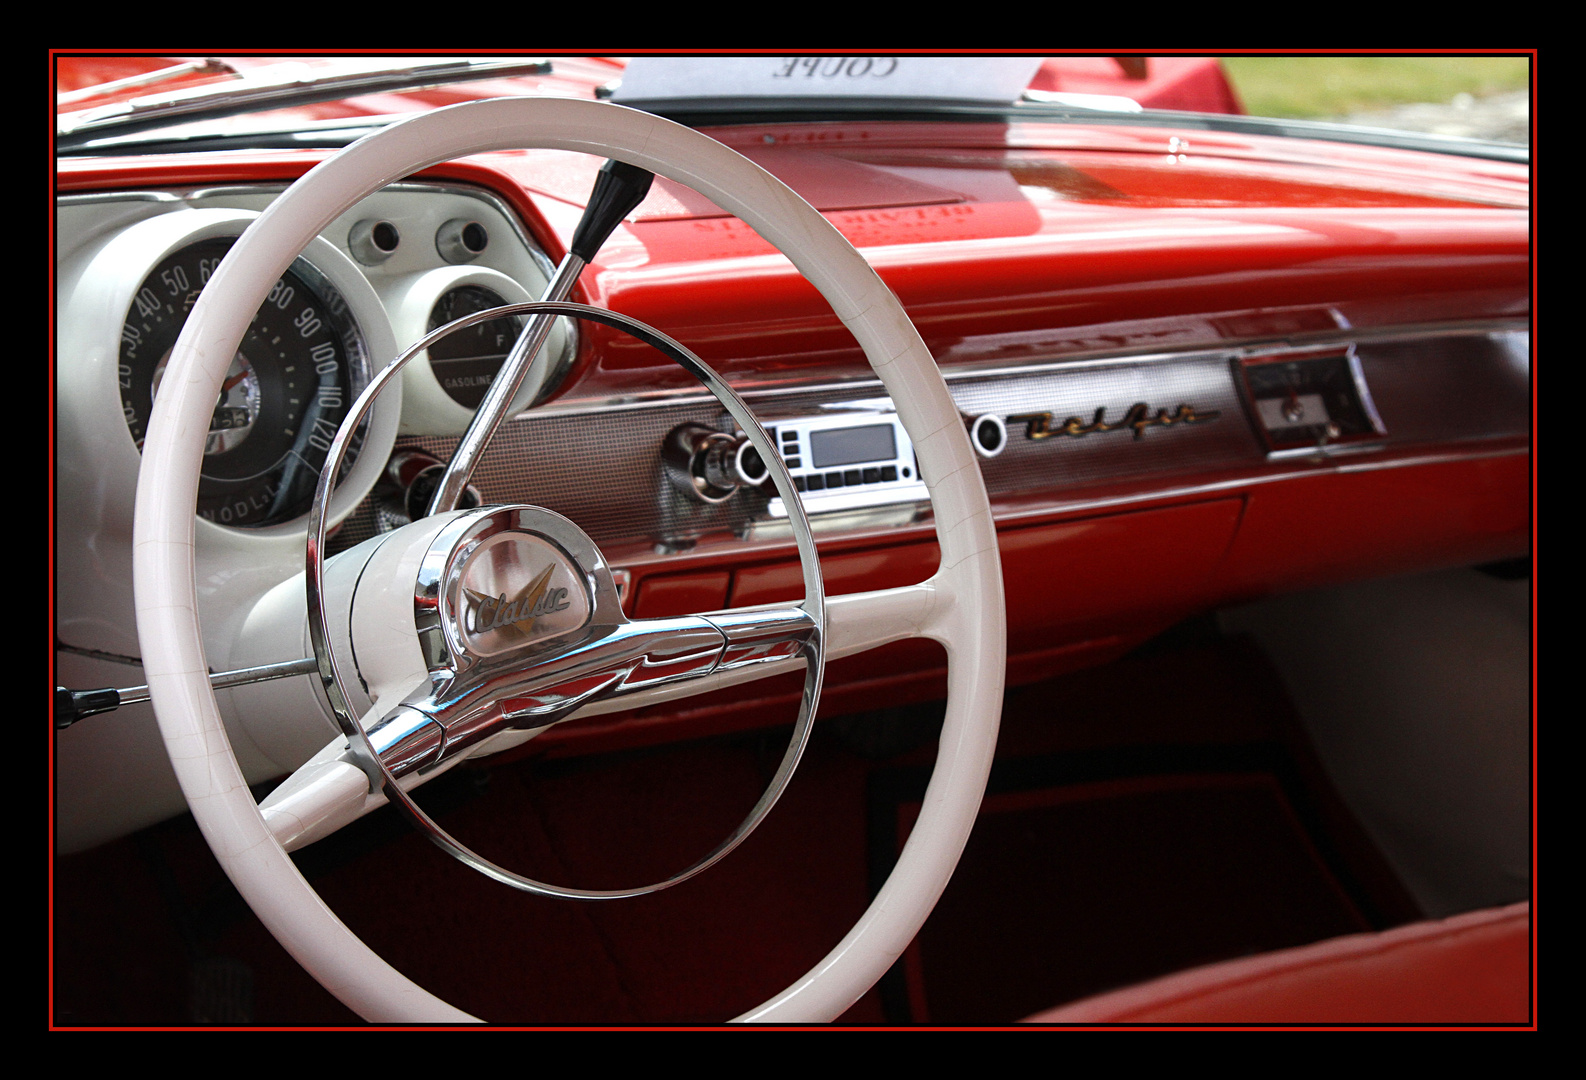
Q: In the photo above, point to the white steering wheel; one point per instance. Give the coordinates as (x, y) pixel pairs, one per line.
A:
(961, 605)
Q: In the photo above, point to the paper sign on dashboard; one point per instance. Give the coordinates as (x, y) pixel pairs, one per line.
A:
(999, 79)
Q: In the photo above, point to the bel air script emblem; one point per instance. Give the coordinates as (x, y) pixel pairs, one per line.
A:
(486, 613)
(1137, 419)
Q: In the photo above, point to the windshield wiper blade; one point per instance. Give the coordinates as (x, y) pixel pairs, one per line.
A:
(211, 66)
(279, 87)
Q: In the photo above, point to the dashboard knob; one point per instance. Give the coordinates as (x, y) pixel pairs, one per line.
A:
(989, 435)
(697, 460)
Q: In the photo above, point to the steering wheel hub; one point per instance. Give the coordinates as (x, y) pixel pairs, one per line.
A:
(512, 584)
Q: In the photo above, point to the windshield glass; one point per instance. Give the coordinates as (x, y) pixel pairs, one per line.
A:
(118, 102)
(1478, 97)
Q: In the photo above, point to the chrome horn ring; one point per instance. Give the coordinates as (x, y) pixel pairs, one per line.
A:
(381, 778)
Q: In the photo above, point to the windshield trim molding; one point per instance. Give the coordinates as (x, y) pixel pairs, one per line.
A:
(780, 111)
(337, 134)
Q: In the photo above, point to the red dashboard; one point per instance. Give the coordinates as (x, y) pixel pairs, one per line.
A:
(1131, 321)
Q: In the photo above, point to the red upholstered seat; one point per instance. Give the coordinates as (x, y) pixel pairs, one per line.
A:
(1469, 969)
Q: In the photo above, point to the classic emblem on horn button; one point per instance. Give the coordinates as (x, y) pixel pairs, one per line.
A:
(493, 612)
(517, 587)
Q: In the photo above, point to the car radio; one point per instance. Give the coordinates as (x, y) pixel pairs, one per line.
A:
(847, 460)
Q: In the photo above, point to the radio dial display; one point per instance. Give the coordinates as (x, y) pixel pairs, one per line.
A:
(845, 446)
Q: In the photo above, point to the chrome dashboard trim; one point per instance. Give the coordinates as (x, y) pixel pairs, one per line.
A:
(89, 198)
(1242, 347)
(875, 526)
(1234, 349)
(542, 455)
(1376, 439)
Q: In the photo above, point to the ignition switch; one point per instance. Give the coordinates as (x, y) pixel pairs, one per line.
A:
(711, 465)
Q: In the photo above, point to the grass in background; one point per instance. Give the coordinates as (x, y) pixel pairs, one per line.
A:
(1323, 86)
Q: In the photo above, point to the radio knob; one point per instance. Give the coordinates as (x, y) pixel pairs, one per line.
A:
(747, 464)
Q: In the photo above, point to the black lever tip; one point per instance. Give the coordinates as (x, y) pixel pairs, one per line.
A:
(618, 189)
(72, 705)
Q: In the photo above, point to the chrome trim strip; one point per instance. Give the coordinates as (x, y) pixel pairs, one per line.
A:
(1363, 392)
(1077, 362)
(89, 198)
(1246, 347)
(1324, 339)
(888, 530)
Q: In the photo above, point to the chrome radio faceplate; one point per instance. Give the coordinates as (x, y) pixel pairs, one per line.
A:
(847, 460)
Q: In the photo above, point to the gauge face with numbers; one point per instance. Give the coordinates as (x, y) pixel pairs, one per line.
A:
(285, 393)
(466, 362)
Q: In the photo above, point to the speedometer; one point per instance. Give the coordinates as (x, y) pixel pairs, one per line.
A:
(286, 392)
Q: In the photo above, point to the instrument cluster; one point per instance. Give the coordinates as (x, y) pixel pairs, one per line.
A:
(399, 265)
